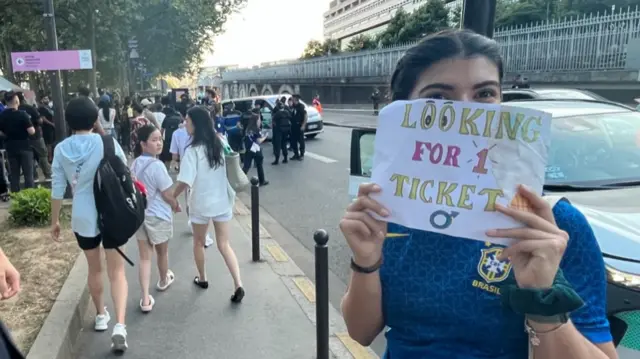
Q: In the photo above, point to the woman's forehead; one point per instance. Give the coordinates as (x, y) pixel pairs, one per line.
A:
(460, 72)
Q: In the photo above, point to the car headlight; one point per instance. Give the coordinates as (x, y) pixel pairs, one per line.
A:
(623, 279)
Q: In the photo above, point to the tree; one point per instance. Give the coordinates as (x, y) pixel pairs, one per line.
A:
(427, 19)
(455, 18)
(171, 34)
(313, 49)
(361, 42)
(389, 36)
(331, 46)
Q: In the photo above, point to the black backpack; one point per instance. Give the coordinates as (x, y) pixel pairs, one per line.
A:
(119, 202)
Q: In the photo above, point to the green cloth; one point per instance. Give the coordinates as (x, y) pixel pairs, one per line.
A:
(557, 300)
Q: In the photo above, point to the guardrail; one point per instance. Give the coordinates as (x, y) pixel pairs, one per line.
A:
(591, 42)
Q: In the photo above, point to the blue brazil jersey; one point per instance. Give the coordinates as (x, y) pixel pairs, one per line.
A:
(441, 294)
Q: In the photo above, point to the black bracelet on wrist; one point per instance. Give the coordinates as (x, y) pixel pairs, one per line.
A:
(365, 270)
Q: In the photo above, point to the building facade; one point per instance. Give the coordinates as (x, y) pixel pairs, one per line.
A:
(348, 18)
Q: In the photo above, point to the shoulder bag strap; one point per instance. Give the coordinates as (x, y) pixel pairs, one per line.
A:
(109, 147)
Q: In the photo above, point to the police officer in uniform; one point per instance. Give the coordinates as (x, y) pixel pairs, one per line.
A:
(281, 130)
(298, 124)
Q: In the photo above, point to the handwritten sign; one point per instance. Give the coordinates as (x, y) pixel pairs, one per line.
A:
(444, 165)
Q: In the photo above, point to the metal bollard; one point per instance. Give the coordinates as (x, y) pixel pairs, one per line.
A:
(255, 219)
(322, 293)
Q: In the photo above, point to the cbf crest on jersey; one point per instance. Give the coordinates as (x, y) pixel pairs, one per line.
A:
(490, 268)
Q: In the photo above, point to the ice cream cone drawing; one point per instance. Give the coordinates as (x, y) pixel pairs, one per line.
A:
(520, 203)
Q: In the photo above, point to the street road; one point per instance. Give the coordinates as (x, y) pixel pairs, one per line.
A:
(350, 118)
(304, 196)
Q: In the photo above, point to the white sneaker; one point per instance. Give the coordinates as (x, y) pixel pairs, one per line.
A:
(119, 339)
(189, 224)
(208, 241)
(102, 321)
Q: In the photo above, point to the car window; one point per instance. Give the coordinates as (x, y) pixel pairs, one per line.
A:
(600, 148)
(514, 96)
(243, 105)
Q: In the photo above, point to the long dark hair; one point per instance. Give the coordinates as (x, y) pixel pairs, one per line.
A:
(204, 135)
(252, 123)
(447, 44)
(106, 108)
(143, 135)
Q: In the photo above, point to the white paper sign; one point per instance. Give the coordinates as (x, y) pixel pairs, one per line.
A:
(443, 165)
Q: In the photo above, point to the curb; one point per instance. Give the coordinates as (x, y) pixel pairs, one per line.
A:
(58, 337)
(302, 289)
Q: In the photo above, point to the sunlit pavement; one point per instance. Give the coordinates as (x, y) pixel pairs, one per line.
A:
(306, 195)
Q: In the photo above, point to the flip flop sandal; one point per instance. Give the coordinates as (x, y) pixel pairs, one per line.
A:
(237, 296)
(201, 284)
(149, 307)
(168, 281)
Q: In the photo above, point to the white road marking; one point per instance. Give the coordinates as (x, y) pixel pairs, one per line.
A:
(318, 157)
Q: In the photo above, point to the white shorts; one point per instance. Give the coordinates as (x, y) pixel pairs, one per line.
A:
(155, 230)
(226, 217)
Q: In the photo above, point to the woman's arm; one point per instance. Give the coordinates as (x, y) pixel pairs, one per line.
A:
(362, 305)
(188, 168)
(587, 335)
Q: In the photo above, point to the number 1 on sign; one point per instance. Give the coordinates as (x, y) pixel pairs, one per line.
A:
(482, 162)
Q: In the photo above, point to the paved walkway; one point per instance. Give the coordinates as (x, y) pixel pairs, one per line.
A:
(275, 319)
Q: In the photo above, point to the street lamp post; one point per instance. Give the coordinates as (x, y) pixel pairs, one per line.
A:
(54, 76)
(479, 16)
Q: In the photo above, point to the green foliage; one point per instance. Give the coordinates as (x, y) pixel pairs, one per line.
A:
(316, 48)
(361, 42)
(30, 207)
(391, 35)
(172, 35)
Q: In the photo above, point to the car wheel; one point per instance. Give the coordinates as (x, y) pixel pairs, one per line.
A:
(312, 136)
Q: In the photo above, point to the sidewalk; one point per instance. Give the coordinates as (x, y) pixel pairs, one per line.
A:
(275, 320)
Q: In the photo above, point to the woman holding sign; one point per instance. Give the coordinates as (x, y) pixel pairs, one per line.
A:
(448, 297)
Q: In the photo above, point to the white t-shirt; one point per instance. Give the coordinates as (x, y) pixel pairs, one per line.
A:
(209, 186)
(153, 174)
(179, 142)
(107, 125)
(159, 117)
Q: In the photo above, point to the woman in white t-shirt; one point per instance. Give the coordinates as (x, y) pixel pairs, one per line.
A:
(158, 222)
(107, 117)
(211, 198)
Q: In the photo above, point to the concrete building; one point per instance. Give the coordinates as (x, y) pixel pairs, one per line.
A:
(348, 18)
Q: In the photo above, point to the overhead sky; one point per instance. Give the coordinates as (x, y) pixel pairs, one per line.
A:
(268, 30)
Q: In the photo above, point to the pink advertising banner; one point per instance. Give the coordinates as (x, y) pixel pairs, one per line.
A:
(51, 60)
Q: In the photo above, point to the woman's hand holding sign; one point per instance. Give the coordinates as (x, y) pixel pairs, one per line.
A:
(535, 256)
(363, 233)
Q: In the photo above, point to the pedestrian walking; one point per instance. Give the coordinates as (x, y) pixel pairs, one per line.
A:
(203, 170)
(180, 140)
(16, 125)
(75, 162)
(253, 139)
(281, 131)
(298, 124)
(157, 229)
(107, 116)
(375, 99)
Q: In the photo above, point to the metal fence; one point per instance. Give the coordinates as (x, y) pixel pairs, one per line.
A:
(591, 42)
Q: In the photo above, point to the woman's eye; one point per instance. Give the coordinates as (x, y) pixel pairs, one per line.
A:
(436, 96)
(486, 94)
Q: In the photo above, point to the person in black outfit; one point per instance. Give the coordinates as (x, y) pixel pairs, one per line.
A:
(17, 126)
(170, 124)
(281, 130)
(298, 124)
(253, 139)
(36, 141)
(375, 98)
